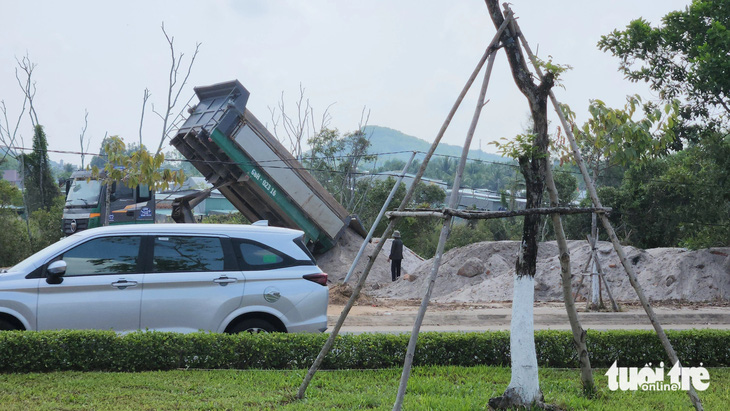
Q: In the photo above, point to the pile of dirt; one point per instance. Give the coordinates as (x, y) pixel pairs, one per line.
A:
(340, 294)
(664, 273)
(337, 261)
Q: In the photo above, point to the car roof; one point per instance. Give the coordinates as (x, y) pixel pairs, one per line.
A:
(232, 230)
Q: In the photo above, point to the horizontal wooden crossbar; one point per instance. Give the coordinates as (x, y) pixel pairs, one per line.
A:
(485, 215)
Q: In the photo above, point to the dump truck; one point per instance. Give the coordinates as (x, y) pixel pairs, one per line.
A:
(86, 198)
(254, 171)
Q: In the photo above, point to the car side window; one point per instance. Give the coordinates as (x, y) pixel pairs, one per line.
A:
(187, 254)
(256, 256)
(106, 255)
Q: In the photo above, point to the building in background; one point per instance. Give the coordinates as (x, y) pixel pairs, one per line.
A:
(13, 177)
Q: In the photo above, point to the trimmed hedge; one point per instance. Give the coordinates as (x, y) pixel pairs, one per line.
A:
(29, 351)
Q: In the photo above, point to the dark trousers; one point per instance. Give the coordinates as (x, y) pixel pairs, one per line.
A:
(395, 269)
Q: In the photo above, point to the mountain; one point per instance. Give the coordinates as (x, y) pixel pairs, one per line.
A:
(387, 140)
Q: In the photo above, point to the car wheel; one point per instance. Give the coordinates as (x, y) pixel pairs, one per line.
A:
(6, 326)
(253, 326)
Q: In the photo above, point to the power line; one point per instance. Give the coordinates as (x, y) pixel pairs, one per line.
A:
(262, 164)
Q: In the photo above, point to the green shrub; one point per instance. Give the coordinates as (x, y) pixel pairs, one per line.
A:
(45, 351)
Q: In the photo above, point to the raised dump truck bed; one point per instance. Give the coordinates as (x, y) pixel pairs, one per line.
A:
(236, 153)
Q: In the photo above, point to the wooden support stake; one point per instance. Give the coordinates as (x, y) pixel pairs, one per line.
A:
(579, 334)
(609, 229)
(445, 231)
(389, 230)
(601, 274)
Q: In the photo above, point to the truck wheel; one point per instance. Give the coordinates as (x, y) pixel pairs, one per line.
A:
(253, 326)
(6, 326)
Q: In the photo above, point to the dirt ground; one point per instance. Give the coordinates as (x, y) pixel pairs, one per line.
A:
(383, 315)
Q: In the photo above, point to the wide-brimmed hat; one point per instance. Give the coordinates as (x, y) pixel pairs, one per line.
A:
(396, 234)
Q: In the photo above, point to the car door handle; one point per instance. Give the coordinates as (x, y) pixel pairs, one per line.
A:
(224, 281)
(122, 284)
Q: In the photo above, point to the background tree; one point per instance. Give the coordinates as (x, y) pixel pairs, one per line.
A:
(681, 200)
(684, 58)
(176, 161)
(333, 160)
(64, 173)
(418, 234)
(40, 186)
(567, 185)
(47, 224)
(20, 239)
(10, 195)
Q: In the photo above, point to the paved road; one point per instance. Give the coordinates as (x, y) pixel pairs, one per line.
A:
(550, 317)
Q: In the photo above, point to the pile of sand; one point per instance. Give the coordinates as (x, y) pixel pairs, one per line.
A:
(664, 273)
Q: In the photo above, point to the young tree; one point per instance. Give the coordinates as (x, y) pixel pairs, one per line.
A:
(614, 138)
(532, 156)
(133, 169)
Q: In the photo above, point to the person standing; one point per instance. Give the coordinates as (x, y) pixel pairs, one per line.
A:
(396, 255)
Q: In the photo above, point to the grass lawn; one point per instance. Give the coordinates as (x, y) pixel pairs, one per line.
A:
(439, 388)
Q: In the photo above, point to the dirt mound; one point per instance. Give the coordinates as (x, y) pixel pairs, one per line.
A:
(337, 261)
(341, 293)
(664, 273)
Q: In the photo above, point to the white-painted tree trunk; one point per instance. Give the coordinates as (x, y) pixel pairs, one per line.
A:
(524, 383)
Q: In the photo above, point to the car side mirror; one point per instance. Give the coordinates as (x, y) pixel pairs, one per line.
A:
(55, 271)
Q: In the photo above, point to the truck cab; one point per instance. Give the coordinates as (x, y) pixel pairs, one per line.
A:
(85, 203)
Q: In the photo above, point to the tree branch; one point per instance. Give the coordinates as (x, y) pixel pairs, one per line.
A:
(173, 77)
(82, 136)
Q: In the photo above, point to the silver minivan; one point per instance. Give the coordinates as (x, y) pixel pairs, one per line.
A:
(169, 277)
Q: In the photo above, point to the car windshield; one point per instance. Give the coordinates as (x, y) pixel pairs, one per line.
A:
(85, 193)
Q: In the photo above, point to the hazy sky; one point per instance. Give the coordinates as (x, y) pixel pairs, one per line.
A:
(405, 60)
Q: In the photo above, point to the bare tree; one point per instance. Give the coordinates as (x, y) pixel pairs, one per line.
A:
(27, 85)
(145, 97)
(299, 127)
(174, 89)
(83, 139)
(9, 134)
